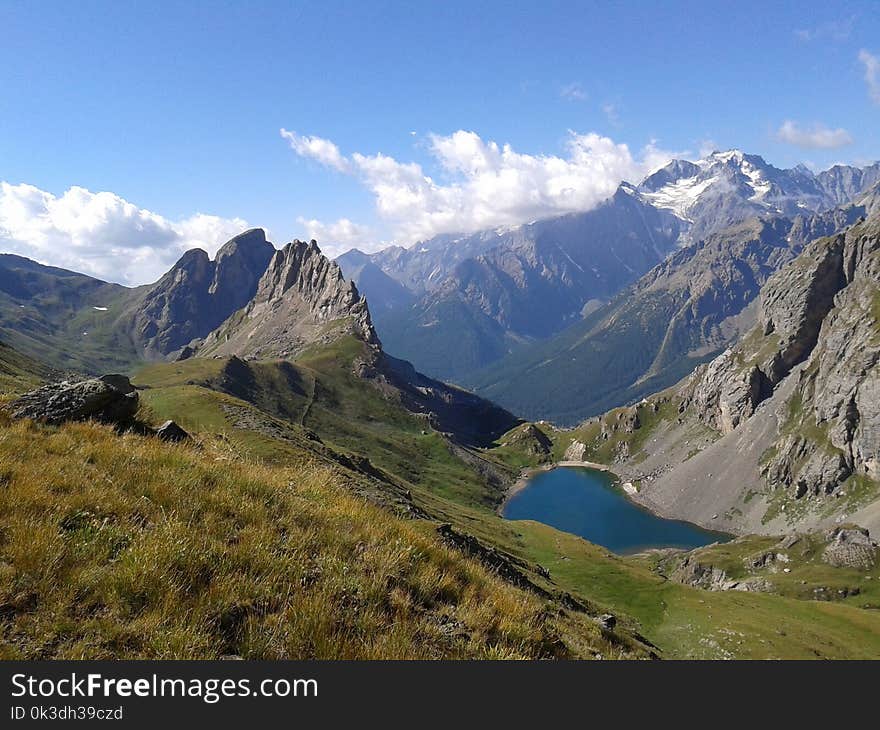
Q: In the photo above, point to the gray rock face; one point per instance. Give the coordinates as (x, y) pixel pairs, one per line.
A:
(822, 310)
(198, 294)
(575, 451)
(302, 299)
(795, 302)
(110, 399)
(725, 392)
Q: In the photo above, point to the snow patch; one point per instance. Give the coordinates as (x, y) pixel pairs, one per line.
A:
(680, 195)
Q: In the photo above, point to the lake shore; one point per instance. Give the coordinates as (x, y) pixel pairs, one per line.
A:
(526, 474)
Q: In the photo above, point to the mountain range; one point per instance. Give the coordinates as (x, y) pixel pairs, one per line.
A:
(466, 302)
(318, 481)
(779, 430)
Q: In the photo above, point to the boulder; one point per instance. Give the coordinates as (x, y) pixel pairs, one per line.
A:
(109, 399)
(170, 431)
(850, 547)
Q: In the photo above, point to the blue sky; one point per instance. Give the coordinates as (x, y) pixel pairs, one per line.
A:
(176, 108)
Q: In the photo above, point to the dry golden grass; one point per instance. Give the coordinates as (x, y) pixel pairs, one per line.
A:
(126, 547)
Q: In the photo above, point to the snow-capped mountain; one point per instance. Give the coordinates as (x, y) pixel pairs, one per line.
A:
(727, 187)
(470, 298)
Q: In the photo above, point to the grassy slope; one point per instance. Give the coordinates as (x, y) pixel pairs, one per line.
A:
(687, 622)
(50, 314)
(124, 546)
(19, 372)
(605, 450)
(682, 621)
(320, 394)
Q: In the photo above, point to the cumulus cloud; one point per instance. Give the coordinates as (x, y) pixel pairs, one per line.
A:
(339, 236)
(101, 234)
(485, 184)
(872, 74)
(317, 148)
(817, 136)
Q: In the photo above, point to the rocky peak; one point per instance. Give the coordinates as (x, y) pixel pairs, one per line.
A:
(197, 294)
(239, 264)
(301, 299)
(725, 188)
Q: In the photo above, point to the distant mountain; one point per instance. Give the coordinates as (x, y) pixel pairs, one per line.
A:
(725, 188)
(62, 318)
(535, 279)
(384, 294)
(681, 313)
(75, 322)
(478, 297)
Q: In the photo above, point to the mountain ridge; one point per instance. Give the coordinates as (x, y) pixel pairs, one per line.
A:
(681, 313)
(494, 290)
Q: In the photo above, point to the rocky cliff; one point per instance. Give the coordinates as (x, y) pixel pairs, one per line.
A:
(822, 310)
(198, 294)
(795, 405)
(301, 300)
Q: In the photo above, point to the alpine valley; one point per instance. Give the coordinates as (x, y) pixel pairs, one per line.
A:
(262, 455)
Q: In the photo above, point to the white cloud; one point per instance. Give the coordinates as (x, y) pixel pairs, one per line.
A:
(486, 184)
(610, 112)
(317, 148)
(339, 236)
(817, 136)
(872, 74)
(707, 146)
(101, 234)
(573, 92)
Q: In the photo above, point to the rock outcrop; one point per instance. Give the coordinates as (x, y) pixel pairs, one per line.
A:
(198, 294)
(822, 312)
(532, 440)
(170, 431)
(109, 399)
(712, 578)
(301, 300)
(850, 547)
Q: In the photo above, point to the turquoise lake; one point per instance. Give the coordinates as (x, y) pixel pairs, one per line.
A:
(586, 502)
